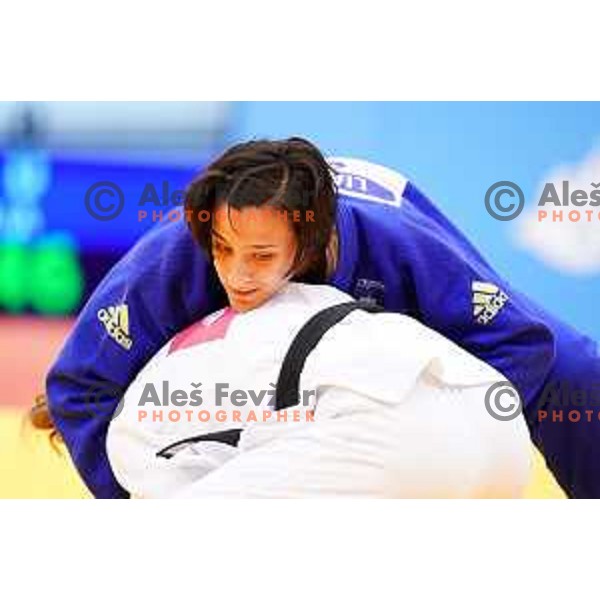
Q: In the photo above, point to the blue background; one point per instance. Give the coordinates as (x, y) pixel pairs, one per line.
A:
(453, 151)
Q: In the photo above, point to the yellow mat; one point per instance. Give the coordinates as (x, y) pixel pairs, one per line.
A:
(31, 468)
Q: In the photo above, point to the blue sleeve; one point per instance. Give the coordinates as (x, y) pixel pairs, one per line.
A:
(162, 284)
(555, 367)
(451, 288)
(565, 419)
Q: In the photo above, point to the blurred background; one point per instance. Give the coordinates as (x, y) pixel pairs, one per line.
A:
(53, 253)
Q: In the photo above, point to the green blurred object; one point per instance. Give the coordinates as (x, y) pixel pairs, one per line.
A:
(55, 280)
(45, 276)
(13, 282)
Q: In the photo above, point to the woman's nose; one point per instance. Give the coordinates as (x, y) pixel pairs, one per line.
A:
(240, 274)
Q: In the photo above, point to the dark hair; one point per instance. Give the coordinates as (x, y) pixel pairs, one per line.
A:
(40, 418)
(288, 175)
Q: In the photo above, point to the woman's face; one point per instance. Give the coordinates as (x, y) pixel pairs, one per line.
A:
(253, 249)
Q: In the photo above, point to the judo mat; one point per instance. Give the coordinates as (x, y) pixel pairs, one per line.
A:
(30, 467)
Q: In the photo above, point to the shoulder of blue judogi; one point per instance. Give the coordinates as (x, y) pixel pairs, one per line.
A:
(429, 269)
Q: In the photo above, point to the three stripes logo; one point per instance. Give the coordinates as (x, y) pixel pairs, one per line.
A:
(116, 322)
(488, 301)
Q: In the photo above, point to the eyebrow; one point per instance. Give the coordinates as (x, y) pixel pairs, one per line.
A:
(258, 246)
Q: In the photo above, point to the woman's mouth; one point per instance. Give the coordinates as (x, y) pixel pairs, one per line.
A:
(242, 294)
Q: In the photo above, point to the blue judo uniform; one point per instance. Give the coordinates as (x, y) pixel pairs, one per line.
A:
(395, 248)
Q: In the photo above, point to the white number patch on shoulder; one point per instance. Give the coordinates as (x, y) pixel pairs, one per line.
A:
(365, 180)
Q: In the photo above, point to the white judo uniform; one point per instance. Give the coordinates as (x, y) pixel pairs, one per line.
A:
(388, 408)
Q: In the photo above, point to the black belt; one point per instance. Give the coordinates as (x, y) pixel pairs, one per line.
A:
(288, 382)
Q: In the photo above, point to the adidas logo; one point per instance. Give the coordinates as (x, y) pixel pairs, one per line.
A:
(116, 321)
(488, 301)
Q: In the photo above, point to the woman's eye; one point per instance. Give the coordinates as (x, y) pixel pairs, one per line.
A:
(263, 257)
